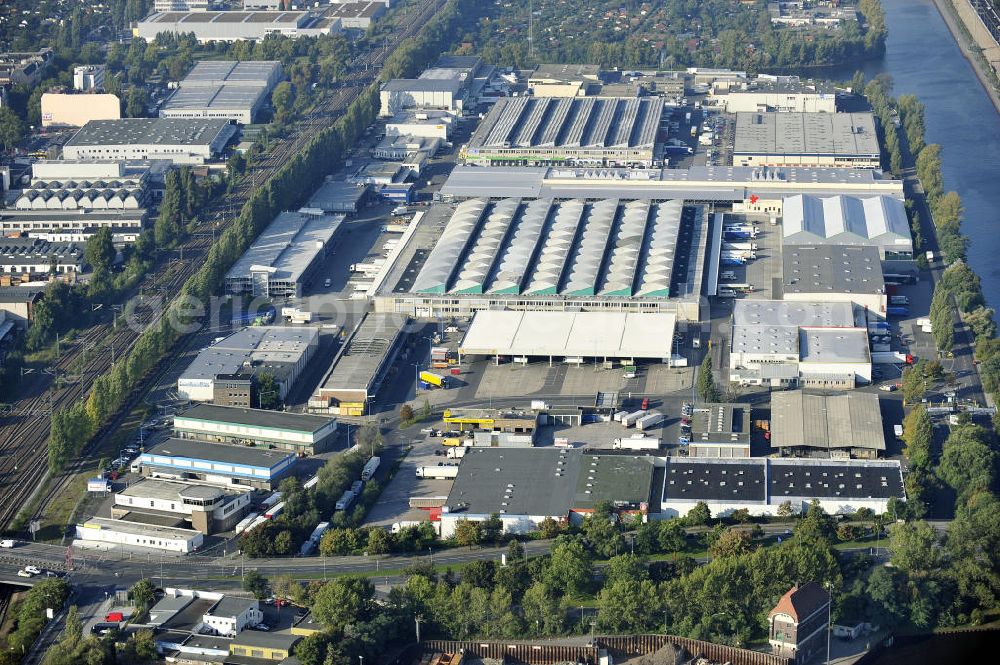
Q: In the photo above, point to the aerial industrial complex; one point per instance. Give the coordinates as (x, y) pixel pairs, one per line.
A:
(223, 89)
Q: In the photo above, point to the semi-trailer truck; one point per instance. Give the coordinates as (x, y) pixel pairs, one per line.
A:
(345, 500)
(641, 443)
(433, 379)
(437, 472)
(633, 418)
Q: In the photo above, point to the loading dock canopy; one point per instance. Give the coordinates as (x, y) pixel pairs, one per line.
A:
(571, 334)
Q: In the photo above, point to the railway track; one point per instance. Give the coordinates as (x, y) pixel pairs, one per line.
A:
(24, 435)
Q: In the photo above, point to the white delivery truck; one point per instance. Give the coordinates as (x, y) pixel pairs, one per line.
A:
(649, 421)
(633, 418)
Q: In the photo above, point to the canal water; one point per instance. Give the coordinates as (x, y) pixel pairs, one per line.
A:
(924, 60)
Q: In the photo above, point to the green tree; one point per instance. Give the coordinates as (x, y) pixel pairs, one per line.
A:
(492, 529)
(570, 567)
(549, 528)
(338, 542)
(268, 392)
(468, 533)
(282, 98)
(11, 128)
(627, 605)
(255, 583)
(143, 593)
(100, 250)
(672, 537)
(602, 531)
(379, 541)
(732, 542)
(918, 434)
(968, 463)
(914, 547)
(345, 601)
(541, 610)
(406, 415)
(914, 385)
(136, 103)
(707, 389)
(700, 515)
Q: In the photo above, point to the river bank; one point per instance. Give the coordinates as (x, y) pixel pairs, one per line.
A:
(951, 19)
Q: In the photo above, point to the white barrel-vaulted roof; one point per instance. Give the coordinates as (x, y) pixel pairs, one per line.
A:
(586, 266)
(654, 278)
(440, 263)
(516, 259)
(479, 264)
(555, 252)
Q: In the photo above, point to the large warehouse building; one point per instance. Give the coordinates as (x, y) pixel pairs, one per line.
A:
(761, 485)
(282, 352)
(806, 139)
(224, 89)
(69, 110)
(763, 95)
(879, 221)
(588, 131)
(282, 259)
(182, 141)
(843, 425)
(231, 26)
(570, 335)
(104, 533)
(785, 344)
(544, 254)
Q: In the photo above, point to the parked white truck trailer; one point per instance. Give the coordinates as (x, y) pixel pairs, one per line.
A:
(371, 467)
(649, 421)
(437, 472)
(345, 500)
(633, 418)
(640, 443)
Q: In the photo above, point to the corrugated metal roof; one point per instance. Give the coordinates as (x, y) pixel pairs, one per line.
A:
(513, 266)
(591, 250)
(436, 273)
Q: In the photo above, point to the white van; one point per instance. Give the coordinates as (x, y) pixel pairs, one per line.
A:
(7, 544)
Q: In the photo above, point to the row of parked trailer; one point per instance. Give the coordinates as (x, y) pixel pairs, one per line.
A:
(642, 419)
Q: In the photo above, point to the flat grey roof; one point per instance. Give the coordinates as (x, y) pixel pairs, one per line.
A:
(723, 183)
(218, 452)
(423, 85)
(515, 481)
(831, 269)
(334, 194)
(833, 345)
(158, 488)
(216, 98)
(149, 131)
(182, 18)
(570, 123)
(288, 246)
(361, 359)
(566, 73)
(267, 345)
(844, 420)
(283, 420)
(141, 529)
(772, 326)
(247, 73)
(258, 638)
(546, 481)
(723, 424)
(231, 606)
(832, 134)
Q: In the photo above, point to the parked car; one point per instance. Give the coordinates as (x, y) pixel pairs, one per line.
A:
(24, 573)
(34, 570)
(7, 544)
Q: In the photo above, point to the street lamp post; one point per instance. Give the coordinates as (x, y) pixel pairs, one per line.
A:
(829, 611)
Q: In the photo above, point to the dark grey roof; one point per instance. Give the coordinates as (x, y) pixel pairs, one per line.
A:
(219, 452)
(715, 480)
(760, 479)
(832, 269)
(258, 638)
(546, 481)
(721, 424)
(148, 131)
(19, 293)
(296, 422)
(231, 606)
(844, 420)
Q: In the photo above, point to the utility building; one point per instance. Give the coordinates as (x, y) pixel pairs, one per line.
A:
(798, 623)
(205, 508)
(834, 273)
(720, 430)
(216, 463)
(231, 26)
(223, 89)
